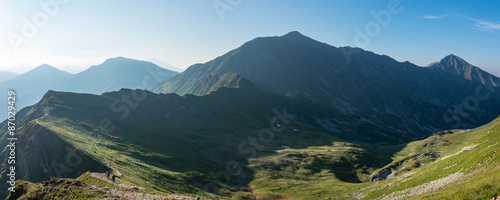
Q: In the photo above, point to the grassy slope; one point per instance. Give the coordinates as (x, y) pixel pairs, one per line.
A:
(141, 149)
(40, 154)
(317, 165)
(213, 82)
(170, 153)
(314, 171)
(303, 173)
(480, 164)
(64, 188)
(61, 189)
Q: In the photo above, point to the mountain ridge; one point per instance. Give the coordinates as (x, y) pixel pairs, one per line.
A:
(355, 88)
(32, 85)
(112, 74)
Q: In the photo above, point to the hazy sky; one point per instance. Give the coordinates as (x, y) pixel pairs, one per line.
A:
(74, 34)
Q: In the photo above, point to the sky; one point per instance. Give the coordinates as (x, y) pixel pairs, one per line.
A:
(73, 35)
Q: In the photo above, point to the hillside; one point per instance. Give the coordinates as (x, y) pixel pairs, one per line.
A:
(87, 186)
(457, 164)
(162, 139)
(54, 156)
(214, 82)
(363, 96)
(172, 155)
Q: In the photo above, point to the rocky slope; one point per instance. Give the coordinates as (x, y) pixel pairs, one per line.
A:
(457, 66)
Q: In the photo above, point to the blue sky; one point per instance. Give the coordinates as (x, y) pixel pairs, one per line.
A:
(81, 33)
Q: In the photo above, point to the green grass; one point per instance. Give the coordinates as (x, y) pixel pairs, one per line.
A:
(135, 171)
(164, 154)
(480, 165)
(177, 153)
(89, 180)
(320, 171)
(175, 160)
(303, 173)
(55, 189)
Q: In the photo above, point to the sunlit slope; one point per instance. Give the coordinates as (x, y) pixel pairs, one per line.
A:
(459, 164)
(179, 144)
(40, 153)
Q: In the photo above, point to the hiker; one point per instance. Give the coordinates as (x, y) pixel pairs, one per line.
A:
(107, 174)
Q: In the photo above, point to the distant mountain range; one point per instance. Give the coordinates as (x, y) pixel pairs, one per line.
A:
(165, 65)
(262, 122)
(112, 75)
(5, 76)
(32, 85)
(364, 96)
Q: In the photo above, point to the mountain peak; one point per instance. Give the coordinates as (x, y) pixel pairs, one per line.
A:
(45, 68)
(453, 59)
(456, 65)
(450, 62)
(121, 61)
(452, 56)
(118, 59)
(294, 34)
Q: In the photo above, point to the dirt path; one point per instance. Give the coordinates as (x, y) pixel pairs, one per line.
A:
(424, 188)
(114, 193)
(103, 177)
(136, 195)
(129, 194)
